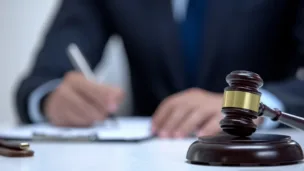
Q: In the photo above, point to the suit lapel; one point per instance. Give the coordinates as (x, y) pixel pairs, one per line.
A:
(170, 43)
(215, 22)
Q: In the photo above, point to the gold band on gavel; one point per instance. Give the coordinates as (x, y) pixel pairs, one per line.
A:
(243, 100)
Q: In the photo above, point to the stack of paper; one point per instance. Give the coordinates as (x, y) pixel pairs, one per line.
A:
(123, 128)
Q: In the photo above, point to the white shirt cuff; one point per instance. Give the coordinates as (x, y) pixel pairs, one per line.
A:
(35, 98)
(273, 102)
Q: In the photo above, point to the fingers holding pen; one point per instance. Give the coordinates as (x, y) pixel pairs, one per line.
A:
(78, 101)
(104, 96)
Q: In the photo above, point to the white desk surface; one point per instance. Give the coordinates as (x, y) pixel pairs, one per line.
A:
(154, 155)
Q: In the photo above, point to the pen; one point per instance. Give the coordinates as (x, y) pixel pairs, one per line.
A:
(14, 145)
(79, 62)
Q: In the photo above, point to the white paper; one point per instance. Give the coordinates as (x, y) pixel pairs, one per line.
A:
(124, 128)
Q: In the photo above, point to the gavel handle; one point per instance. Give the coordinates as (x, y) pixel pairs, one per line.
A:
(285, 118)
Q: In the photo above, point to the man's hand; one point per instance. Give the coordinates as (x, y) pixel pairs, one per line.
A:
(187, 112)
(79, 102)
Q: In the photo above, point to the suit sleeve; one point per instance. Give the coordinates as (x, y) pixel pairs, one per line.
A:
(291, 91)
(79, 21)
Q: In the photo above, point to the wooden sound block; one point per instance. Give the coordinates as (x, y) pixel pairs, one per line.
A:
(258, 149)
(15, 153)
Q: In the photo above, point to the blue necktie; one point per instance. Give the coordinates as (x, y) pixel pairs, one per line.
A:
(191, 35)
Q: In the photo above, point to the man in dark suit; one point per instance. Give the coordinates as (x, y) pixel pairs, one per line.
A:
(178, 61)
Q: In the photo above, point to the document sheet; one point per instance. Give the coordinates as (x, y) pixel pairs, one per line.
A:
(121, 128)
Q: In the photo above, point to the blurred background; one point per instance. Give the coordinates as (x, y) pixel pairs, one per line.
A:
(23, 24)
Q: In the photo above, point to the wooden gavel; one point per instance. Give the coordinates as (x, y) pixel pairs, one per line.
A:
(242, 105)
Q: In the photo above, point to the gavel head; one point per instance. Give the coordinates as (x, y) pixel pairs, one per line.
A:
(241, 103)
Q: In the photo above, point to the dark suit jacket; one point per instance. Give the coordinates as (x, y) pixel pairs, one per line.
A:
(263, 36)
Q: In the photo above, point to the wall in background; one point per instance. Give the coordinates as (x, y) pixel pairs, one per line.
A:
(21, 29)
